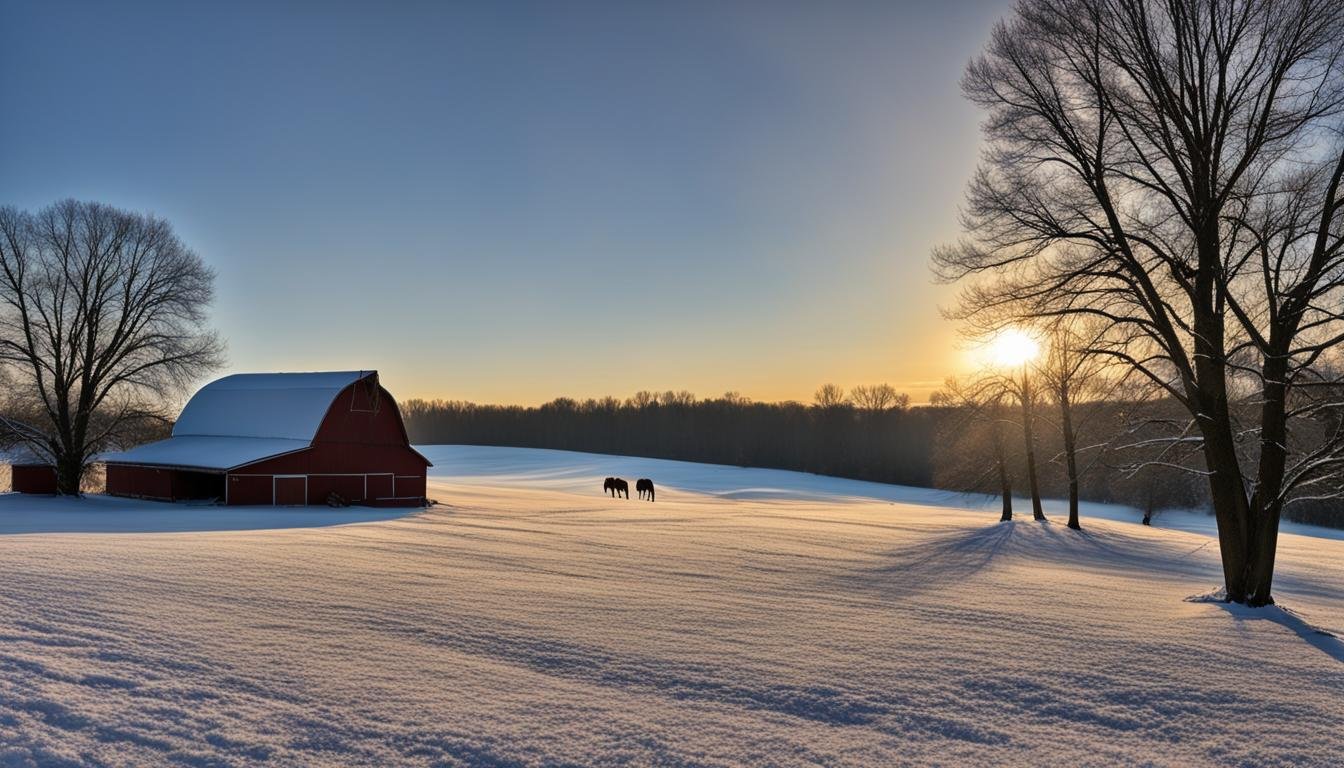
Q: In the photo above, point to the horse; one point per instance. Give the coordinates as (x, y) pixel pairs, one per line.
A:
(616, 486)
(644, 485)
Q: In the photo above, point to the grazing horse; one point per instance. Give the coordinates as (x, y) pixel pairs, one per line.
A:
(644, 485)
(616, 486)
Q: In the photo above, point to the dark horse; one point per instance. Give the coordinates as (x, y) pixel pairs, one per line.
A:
(616, 486)
(644, 485)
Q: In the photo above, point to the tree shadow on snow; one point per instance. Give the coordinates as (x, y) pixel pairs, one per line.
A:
(1114, 550)
(933, 561)
(1322, 640)
(23, 513)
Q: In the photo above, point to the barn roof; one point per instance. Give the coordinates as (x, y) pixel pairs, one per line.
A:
(23, 456)
(244, 418)
(207, 451)
(21, 444)
(289, 406)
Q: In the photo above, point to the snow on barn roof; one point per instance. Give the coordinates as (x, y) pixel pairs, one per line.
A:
(289, 406)
(23, 456)
(207, 451)
(244, 418)
(22, 445)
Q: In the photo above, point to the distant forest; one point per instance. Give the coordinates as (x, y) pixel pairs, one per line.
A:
(870, 434)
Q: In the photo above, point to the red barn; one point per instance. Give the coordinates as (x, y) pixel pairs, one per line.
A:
(280, 438)
(29, 473)
(32, 478)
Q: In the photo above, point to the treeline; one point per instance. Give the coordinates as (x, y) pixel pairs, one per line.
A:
(946, 445)
(886, 443)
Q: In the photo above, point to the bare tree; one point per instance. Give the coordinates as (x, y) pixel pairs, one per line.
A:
(1019, 385)
(980, 421)
(1150, 468)
(733, 397)
(642, 399)
(1070, 375)
(879, 397)
(102, 316)
(830, 396)
(682, 398)
(1175, 168)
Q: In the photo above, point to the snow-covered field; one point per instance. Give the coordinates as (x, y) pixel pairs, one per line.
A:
(748, 617)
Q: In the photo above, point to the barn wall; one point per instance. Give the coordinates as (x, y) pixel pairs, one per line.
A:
(410, 485)
(348, 487)
(162, 483)
(33, 479)
(341, 459)
(140, 482)
(249, 489)
(363, 413)
(377, 489)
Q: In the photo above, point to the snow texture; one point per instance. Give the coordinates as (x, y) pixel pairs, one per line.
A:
(244, 418)
(21, 513)
(748, 617)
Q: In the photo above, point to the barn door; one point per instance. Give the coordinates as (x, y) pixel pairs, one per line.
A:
(379, 487)
(290, 490)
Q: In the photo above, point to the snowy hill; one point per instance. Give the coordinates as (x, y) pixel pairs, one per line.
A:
(746, 617)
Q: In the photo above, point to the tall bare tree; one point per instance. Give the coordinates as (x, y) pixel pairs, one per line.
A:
(1175, 168)
(1069, 375)
(102, 324)
(1020, 386)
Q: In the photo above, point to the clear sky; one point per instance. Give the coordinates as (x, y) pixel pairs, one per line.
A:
(506, 202)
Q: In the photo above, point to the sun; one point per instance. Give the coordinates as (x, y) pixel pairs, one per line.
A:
(1011, 347)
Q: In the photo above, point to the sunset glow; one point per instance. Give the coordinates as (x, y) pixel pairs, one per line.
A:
(1011, 348)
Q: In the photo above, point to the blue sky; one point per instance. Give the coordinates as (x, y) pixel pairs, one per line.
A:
(506, 202)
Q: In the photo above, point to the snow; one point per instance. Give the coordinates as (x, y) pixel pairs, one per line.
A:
(748, 617)
(207, 452)
(22, 456)
(22, 513)
(268, 405)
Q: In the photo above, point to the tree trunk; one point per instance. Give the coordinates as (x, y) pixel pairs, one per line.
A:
(1070, 453)
(1006, 492)
(1266, 505)
(1230, 508)
(1260, 562)
(1227, 488)
(1005, 480)
(1029, 436)
(69, 472)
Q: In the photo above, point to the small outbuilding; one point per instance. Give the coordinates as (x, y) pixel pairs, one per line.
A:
(280, 438)
(29, 470)
(30, 473)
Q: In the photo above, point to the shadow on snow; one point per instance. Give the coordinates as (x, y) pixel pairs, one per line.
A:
(22, 513)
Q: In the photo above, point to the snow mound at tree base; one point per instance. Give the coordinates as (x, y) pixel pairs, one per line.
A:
(1218, 595)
